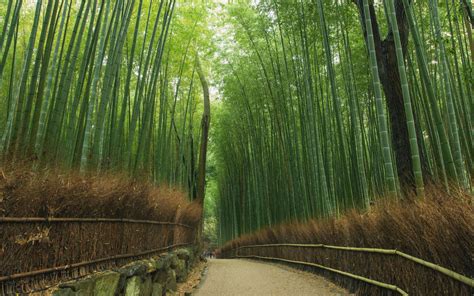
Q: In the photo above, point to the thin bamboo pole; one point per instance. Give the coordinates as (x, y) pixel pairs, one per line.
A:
(86, 220)
(85, 263)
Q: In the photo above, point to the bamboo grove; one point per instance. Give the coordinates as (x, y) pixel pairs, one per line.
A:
(102, 85)
(329, 105)
(318, 106)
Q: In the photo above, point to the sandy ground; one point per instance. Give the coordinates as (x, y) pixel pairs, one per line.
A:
(247, 277)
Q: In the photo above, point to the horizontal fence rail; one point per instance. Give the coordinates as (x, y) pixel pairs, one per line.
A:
(354, 276)
(74, 240)
(85, 220)
(80, 264)
(452, 274)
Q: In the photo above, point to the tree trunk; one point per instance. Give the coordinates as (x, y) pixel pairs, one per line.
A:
(390, 80)
(206, 118)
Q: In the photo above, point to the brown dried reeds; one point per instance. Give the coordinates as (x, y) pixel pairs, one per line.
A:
(438, 229)
(51, 193)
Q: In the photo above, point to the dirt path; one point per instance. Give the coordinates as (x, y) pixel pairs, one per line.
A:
(247, 277)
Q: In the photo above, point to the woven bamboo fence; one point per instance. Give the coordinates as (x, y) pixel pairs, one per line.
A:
(307, 255)
(36, 252)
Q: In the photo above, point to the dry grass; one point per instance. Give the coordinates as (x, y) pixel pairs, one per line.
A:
(439, 229)
(51, 193)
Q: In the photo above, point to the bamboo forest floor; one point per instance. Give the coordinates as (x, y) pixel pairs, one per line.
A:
(246, 277)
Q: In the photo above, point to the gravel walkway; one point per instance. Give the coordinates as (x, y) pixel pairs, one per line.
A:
(248, 277)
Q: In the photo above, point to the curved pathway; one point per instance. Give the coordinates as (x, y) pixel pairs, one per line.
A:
(247, 277)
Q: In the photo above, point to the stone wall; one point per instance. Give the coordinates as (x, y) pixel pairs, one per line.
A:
(157, 276)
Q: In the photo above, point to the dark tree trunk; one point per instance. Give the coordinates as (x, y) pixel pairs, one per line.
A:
(390, 80)
(206, 119)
